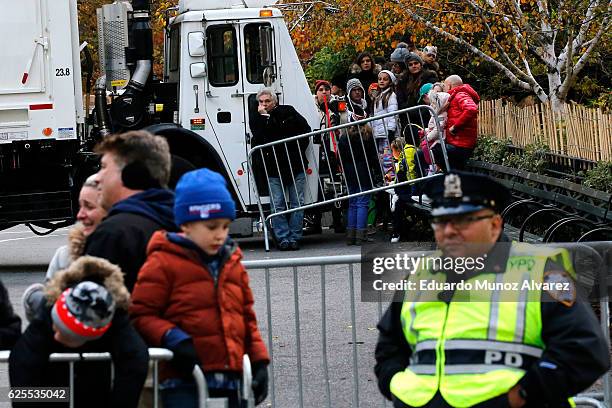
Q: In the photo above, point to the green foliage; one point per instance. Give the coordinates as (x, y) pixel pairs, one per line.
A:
(600, 177)
(532, 159)
(490, 150)
(327, 63)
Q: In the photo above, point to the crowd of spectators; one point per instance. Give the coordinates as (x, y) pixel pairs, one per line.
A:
(409, 78)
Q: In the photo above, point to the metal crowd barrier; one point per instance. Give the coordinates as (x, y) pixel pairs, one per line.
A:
(334, 187)
(155, 355)
(290, 324)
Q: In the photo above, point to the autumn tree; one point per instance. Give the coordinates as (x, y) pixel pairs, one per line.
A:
(520, 36)
(524, 39)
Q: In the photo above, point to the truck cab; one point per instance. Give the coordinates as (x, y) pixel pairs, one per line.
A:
(219, 55)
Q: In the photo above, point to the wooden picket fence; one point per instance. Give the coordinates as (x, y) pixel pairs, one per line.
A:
(579, 132)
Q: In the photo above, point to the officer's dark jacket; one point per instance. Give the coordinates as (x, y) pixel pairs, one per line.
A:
(10, 323)
(573, 339)
(283, 122)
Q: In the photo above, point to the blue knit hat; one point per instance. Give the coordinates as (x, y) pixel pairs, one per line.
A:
(202, 195)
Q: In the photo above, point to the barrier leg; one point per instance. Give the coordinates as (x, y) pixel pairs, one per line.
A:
(155, 384)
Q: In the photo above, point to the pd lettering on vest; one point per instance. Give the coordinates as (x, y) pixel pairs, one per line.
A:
(509, 359)
(204, 210)
(522, 264)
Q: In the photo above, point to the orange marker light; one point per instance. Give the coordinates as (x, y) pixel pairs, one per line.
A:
(47, 131)
(265, 13)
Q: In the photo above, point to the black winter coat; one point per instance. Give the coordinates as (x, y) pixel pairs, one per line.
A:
(407, 99)
(123, 236)
(362, 167)
(283, 122)
(29, 366)
(10, 323)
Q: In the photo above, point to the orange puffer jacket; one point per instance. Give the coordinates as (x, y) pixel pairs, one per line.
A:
(174, 289)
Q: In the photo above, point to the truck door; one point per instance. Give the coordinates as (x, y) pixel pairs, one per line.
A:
(223, 99)
(253, 82)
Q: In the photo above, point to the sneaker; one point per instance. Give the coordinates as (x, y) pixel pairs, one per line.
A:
(294, 245)
(395, 239)
(284, 246)
(31, 299)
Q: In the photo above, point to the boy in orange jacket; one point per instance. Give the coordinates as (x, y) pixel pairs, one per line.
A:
(193, 297)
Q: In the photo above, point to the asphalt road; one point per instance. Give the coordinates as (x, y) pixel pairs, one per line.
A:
(24, 257)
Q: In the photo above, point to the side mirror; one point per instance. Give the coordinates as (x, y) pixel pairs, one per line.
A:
(266, 35)
(197, 70)
(196, 44)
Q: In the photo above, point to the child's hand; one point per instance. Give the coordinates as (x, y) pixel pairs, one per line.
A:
(185, 357)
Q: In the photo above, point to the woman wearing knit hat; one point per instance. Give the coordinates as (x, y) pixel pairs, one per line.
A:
(86, 311)
(193, 297)
(408, 96)
(356, 104)
(430, 56)
(398, 59)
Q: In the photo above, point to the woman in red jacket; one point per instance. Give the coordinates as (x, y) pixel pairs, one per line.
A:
(193, 297)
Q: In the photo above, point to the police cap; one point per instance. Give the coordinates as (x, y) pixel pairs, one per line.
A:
(460, 192)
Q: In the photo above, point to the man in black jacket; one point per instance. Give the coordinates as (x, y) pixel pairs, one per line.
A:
(487, 348)
(134, 173)
(85, 312)
(285, 163)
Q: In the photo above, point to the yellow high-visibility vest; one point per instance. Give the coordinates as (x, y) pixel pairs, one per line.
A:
(480, 344)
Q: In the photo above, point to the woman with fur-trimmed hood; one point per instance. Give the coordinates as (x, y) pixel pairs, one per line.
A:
(85, 312)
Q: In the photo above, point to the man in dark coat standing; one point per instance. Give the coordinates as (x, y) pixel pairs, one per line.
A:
(134, 173)
(285, 163)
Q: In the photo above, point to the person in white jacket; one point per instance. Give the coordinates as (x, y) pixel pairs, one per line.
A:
(438, 100)
(385, 129)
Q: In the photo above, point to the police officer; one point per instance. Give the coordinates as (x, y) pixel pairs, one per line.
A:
(512, 347)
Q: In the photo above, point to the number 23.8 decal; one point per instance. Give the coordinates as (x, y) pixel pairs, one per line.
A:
(60, 72)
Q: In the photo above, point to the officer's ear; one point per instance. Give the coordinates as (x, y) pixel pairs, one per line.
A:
(136, 176)
(497, 226)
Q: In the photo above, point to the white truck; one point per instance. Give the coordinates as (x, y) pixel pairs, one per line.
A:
(218, 55)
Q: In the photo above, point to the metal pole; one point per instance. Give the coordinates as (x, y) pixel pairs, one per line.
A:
(354, 335)
(270, 345)
(324, 338)
(155, 383)
(296, 303)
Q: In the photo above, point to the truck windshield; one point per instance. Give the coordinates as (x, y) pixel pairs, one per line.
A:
(222, 55)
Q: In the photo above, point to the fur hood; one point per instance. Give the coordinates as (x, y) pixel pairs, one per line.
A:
(94, 269)
(76, 241)
(356, 69)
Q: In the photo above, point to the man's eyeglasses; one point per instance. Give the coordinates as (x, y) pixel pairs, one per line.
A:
(460, 222)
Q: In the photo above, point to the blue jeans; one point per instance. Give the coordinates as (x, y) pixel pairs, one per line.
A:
(358, 210)
(287, 228)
